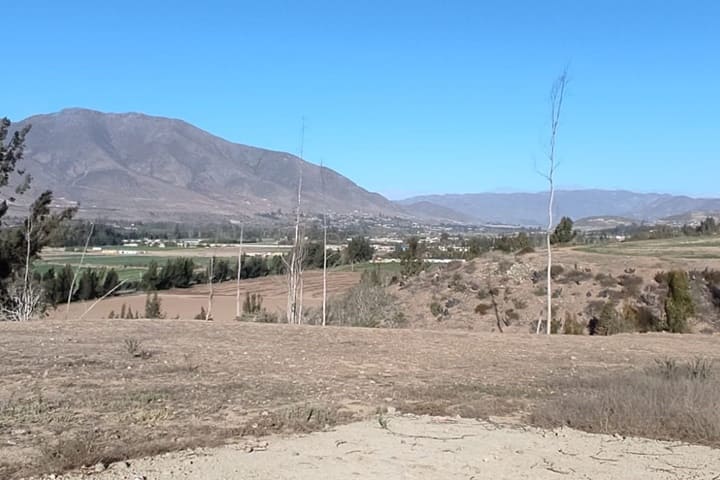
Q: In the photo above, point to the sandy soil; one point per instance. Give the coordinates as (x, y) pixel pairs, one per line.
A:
(412, 447)
(186, 303)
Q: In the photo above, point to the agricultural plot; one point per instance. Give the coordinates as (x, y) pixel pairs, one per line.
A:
(673, 248)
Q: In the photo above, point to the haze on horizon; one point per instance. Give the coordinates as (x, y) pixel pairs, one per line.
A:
(403, 97)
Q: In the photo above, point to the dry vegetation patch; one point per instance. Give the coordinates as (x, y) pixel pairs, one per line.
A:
(669, 401)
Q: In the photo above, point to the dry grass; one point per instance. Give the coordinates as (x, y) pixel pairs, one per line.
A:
(207, 383)
(669, 401)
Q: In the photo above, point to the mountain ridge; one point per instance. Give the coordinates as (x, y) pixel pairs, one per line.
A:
(530, 209)
(133, 164)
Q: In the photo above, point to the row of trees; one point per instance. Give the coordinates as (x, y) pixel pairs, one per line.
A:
(89, 284)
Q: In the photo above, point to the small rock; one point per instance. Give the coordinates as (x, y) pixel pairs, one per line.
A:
(99, 467)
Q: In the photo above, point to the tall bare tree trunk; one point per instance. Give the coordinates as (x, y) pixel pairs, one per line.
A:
(557, 93)
(238, 312)
(110, 292)
(211, 272)
(324, 294)
(75, 275)
(295, 264)
(324, 291)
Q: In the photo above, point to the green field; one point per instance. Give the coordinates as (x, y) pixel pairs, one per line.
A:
(128, 267)
(676, 248)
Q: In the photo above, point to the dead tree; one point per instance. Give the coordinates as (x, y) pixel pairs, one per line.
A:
(79, 269)
(557, 94)
(25, 300)
(295, 263)
(211, 273)
(238, 312)
(324, 291)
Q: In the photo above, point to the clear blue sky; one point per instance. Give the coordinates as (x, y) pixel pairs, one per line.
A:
(404, 97)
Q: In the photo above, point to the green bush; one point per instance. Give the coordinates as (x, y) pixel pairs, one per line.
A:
(678, 305)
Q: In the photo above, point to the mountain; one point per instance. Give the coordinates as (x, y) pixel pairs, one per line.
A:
(437, 213)
(531, 208)
(137, 166)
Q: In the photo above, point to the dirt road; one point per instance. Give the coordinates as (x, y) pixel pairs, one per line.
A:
(412, 447)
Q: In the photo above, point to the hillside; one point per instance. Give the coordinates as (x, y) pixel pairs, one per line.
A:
(142, 167)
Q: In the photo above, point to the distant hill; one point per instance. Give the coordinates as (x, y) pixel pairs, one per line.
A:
(437, 213)
(531, 208)
(142, 167)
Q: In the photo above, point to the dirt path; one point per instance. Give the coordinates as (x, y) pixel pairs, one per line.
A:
(431, 448)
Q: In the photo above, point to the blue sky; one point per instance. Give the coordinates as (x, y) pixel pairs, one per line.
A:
(403, 97)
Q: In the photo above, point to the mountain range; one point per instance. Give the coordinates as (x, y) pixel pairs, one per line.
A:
(530, 209)
(140, 167)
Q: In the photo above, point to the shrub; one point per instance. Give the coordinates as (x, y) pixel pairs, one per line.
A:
(153, 306)
(365, 305)
(631, 284)
(133, 347)
(577, 276)
(202, 314)
(643, 319)
(519, 304)
(572, 326)
(606, 280)
(437, 309)
(661, 278)
(526, 250)
(609, 322)
(482, 308)
(678, 305)
(252, 303)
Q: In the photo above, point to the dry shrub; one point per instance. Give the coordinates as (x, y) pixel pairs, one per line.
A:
(667, 402)
(511, 315)
(437, 310)
(572, 326)
(482, 308)
(519, 303)
(83, 449)
(368, 304)
(631, 284)
(576, 276)
(302, 418)
(610, 322)
(606, 280)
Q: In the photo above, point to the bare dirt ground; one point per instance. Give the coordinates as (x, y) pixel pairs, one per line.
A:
(74, 393)
(186, 303)
(431, 448)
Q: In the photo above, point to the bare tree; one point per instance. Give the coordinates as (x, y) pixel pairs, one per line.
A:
(238, 311)
(211, 273)
(324, 291)
(26, 299)
(557, 94)
(295, 263)
(79, 269)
